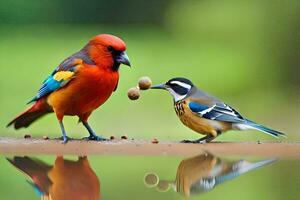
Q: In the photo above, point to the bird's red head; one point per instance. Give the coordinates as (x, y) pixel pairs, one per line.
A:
(108, 51)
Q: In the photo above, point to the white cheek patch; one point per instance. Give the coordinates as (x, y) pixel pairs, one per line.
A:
(187, 86)
(176, 96)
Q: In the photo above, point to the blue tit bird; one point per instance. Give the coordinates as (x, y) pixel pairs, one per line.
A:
(202, 173)
(206, 114)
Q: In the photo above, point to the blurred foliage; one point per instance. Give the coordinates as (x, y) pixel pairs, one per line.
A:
(77, 11)
(265, 32)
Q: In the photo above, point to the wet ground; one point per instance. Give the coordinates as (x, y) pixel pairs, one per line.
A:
(142, 170)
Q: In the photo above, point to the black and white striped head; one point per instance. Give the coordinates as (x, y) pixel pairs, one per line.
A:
(178, 87)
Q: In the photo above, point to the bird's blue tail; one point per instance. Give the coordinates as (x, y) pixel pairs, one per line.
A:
(242, 167)
(264, 129)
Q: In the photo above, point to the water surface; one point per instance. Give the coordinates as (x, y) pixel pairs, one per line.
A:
(204, 176)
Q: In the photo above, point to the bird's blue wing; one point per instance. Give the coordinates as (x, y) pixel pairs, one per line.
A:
(63, 73)
(219, 112)
(48, 86)
(196, 107)
(36, 189)
(52, 83)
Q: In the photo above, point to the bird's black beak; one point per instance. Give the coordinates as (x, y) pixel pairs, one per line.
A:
(123, 58)
(160, 86)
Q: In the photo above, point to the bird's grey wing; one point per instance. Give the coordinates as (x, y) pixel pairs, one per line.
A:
(242, 167)
(209, 107)
(237, 169)
(202, 97)
(217, 111)
(69, 62)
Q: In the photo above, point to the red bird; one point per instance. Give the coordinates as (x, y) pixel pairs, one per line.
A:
(64, 180)
(79, 85)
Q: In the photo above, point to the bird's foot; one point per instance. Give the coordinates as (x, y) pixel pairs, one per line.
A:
(194, 141)
(95, 138)
(64, 139)
(185, 141)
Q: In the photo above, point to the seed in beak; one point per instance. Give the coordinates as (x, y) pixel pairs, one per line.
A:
(145, 83)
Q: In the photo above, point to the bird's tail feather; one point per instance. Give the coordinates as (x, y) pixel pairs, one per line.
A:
(37, 170)
(36, 111)
(264, 129)
(243, 167)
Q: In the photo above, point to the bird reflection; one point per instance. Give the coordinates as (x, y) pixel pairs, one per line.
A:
(203, 173)
(65, 179)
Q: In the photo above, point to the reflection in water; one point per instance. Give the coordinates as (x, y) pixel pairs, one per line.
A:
(64, 180)
(202, 173)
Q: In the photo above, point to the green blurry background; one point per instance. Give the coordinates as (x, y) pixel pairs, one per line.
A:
(244, 52)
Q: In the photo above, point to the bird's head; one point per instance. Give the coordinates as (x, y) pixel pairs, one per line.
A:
(108, 51)
(178, 87)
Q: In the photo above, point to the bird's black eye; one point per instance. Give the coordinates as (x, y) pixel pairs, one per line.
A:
(110, 48)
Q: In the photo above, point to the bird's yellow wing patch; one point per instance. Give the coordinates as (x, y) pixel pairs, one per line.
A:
(63, 75)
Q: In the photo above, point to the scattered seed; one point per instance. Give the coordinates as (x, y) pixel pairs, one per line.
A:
(46, 137)
(27, 136)
(154, 141)
(112, 137)
(124, 137)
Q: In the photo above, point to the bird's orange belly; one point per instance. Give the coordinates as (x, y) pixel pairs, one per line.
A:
(197, 123)
(89, 90)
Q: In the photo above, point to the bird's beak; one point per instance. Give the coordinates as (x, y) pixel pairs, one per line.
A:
(160, 86)
(123, 58)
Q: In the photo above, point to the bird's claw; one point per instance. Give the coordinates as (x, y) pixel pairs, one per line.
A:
(194, 141)
(95, 138)
(185, 141)
(64, 139)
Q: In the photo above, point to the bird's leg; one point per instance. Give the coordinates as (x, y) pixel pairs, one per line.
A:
(202, 140)
(93, 135)
(65, 138)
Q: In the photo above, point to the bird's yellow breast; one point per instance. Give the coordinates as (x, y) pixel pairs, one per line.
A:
(192, 170)
(197, 123)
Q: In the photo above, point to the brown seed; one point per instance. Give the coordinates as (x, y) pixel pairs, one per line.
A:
(46, 137)
(27, 136)
(151, 179)
(163, 186)
(133, 93)
(124, 137)
(145, 83)
(154, 141)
